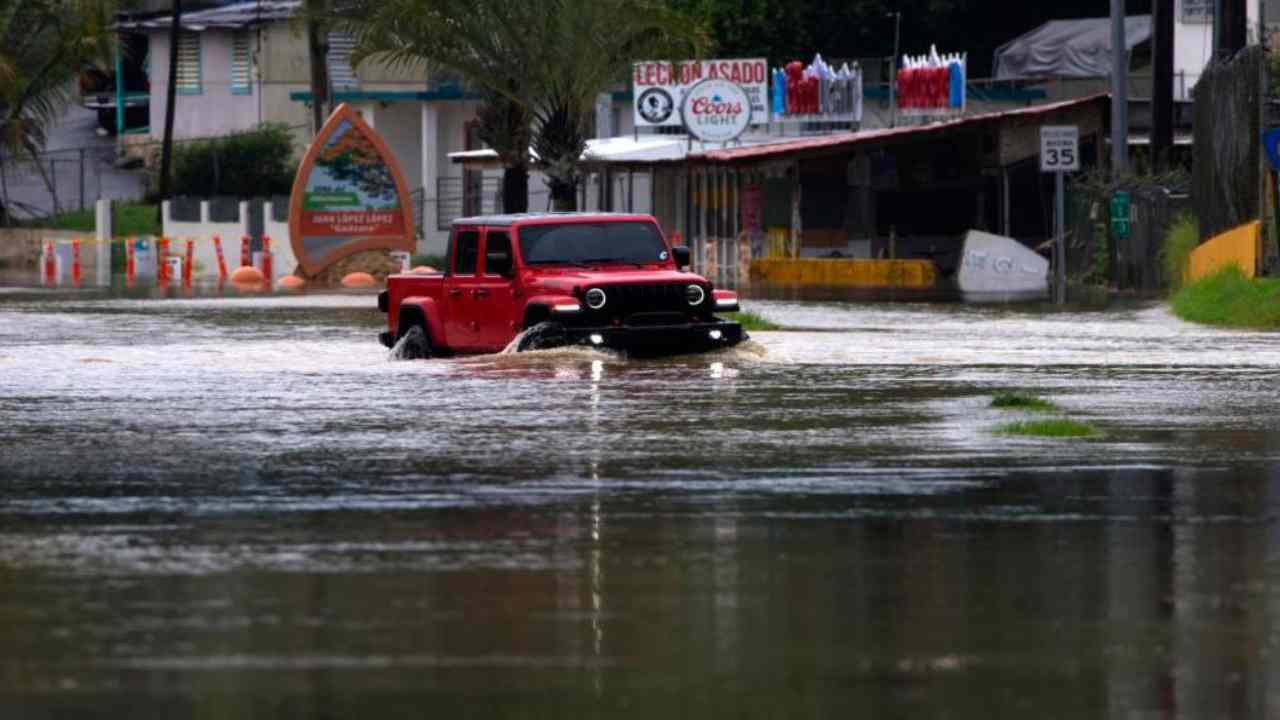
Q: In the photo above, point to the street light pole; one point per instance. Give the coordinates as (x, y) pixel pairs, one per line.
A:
(893, 70)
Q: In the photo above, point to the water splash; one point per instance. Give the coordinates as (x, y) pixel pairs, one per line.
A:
(412, 346)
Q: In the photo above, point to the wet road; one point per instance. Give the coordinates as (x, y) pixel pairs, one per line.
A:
(241, 508)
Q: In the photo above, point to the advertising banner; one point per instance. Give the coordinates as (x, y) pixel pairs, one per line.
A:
(716, 111)
(348, 196)
(660, 87)
(817, 92)
(932, 85)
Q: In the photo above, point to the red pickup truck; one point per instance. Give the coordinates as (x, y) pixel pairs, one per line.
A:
(596, 279)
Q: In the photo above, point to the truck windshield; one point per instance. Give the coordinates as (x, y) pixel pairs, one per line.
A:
(585, 243)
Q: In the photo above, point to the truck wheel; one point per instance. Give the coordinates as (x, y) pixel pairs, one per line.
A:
(412, 345)
(543, 336)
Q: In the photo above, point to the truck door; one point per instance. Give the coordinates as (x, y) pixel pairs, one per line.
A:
(462, 309)
(494, 294)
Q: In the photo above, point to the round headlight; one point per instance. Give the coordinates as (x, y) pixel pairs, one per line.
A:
(596, 298)
(695, 294)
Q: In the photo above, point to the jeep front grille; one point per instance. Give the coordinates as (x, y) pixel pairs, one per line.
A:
(653, 297)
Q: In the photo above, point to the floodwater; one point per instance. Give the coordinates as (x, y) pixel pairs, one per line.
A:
(241, 508)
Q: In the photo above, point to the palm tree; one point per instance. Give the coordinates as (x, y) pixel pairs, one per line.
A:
(504, 127)
(549, 58)
(44, 44)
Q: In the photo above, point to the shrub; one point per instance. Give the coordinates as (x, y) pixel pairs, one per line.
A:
(1056, 428)
(1183, 237)
(1229, 299)
(253, 163)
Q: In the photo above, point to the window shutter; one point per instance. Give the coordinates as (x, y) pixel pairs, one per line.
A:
(341, 75)
(241, 63)
(1197, 11)
(189, 77)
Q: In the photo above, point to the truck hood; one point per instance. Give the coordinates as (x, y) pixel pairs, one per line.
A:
(566, 280)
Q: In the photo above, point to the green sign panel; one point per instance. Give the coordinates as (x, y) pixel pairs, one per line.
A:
(330, 200)
(1120, 214)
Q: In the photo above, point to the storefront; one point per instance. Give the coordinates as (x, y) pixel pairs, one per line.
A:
(903, 194)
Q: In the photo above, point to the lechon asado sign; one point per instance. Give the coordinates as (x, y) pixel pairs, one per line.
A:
(660, 87)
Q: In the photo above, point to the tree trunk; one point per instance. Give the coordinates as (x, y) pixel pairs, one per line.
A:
(171, 96)
(564, 195)
(515, 189)
(318, 52)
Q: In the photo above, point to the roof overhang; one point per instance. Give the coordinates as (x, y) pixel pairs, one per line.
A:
(227, 17)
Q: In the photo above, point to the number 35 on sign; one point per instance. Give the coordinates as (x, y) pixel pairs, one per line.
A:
(1059, 148)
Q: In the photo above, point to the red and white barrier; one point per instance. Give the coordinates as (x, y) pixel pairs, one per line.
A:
(130, 263)
(188, 263)
(75, 263)
(222, 262)
(266, 261)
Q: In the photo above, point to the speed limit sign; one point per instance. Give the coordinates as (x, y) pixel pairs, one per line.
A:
(1059, 148)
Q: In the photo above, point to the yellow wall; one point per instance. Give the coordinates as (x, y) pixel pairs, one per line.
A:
(917, 274)
(1238, 246)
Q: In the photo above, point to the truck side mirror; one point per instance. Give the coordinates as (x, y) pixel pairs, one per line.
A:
(681, 255)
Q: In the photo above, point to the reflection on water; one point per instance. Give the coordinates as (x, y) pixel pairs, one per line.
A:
(241, 508)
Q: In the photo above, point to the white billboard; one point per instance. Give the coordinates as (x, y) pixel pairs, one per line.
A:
(659, 88)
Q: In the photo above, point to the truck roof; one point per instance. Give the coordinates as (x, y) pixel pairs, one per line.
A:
(512, 219)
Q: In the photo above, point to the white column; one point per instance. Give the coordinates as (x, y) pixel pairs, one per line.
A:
(166, 219)
(102, 233)
(430, 173)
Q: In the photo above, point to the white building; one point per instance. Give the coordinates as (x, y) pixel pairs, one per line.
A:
(244, 63)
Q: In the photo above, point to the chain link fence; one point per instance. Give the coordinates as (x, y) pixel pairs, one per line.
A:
(63, 180)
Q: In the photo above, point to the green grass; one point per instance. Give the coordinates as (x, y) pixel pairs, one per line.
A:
(1049, 428)
(1183, 237)
(1229, 299)
(1018, 401)
(752, 321)
(129, 219)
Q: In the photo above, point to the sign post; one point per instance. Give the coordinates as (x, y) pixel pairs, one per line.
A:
(1060, 154)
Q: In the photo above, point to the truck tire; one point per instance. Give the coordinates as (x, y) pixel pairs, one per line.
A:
(412, 345)
(543, 336)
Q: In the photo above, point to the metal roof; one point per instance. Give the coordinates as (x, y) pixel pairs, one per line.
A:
(614, 150)
(669, 149)
(513, 218)
(235, 15)
(839, 140)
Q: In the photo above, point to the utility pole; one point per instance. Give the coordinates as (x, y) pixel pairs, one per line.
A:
(1231, 27)
(1162, 84)
(318, 54)
(171, 95)
(893, 70)
(1216, 30)
(1119, 91)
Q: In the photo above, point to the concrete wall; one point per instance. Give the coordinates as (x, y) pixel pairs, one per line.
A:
(20, 248)
(400, 125)
(215, 110)
(1193, 44)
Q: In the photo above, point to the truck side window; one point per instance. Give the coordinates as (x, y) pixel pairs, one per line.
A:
(497, 254)
(466, 252)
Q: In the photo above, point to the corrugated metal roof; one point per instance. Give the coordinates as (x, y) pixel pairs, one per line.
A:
(235, 15)
(804, 145)
(663, 149)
